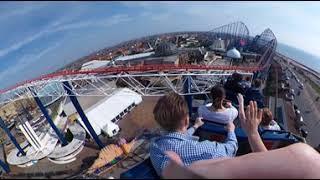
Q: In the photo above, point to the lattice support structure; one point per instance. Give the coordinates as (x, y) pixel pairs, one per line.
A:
(152, 83)
(234, 32)
(12, 138)
(60, 135)
(81, 113)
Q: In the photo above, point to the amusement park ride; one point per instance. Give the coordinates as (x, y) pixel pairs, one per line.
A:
(147, 80)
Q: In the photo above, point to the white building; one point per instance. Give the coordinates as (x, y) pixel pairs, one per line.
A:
(135, 56)
(94, 64)
(218, 45)
(104, 114)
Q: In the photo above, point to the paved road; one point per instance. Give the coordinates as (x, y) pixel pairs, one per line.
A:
(308, 108)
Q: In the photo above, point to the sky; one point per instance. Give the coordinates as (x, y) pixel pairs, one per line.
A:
(40, 37)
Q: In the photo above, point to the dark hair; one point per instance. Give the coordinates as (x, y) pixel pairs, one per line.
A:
(267, 116)
(317, 148)
(247, 78)
(217, 94)
(170, 111)
(236, 77)
(257, 83)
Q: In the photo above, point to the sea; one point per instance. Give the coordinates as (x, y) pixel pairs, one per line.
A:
(300, 56)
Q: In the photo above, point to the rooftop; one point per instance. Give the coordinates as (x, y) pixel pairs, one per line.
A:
(135, 56)
(94, 64)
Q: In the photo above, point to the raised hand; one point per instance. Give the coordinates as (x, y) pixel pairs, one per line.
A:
(240, 98)
(241, 106)
(198, 122)
(252, 118)
(250, 124)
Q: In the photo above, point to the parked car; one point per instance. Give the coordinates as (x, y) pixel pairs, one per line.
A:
(299, 120)
(289, 97)
(291, 92)
(303, 132)
(286, 78)
(284, 87)
(301, 86)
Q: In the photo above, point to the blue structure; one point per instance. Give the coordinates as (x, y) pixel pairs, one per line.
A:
(83, 116)
(144, 170)
(4, 166)
(187, 89)
(12, 138)
(63, 141)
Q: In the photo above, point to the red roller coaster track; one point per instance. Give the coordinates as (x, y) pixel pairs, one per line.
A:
(137, 68)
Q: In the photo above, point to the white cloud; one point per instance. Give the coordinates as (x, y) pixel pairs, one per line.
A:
(27, 60)
(281, 17)
(18, 45)
(106, 22)
(56, 27)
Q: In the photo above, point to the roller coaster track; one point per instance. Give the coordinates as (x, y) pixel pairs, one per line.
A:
(147, 80)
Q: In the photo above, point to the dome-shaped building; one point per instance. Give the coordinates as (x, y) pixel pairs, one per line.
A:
(165, 49)
(233, 53)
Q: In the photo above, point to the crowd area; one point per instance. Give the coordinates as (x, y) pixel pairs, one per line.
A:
(176, 153)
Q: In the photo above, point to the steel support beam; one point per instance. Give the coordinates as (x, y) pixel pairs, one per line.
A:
(63, 141)
(12, 138)
(83, 116)
(4, 166)
(83, 85)
(187, 89)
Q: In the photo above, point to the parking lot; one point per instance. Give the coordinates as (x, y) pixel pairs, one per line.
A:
(305, 100)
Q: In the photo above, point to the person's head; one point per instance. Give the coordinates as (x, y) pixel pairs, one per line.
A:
(257, 83)
(247, 78)
(171, 112)
(218, 94)
(236, 77)
(267, 117)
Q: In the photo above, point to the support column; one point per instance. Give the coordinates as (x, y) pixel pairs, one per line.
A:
(187, 89)
(63, 141)
(83, 116)
(4, 166)
(276, 98)
(12, 138)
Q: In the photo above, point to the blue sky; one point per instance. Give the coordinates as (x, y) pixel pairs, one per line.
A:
(40, 37)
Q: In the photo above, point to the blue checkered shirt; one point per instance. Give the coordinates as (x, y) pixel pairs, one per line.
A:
(189, 148)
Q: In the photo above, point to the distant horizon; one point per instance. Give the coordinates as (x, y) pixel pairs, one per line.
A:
(116, 44)
(300, 49)
(305, 58)
(41, 37)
